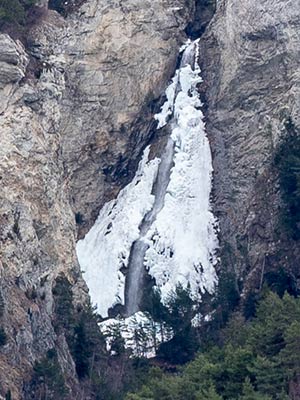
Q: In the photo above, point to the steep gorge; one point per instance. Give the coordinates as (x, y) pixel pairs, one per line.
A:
(73, 130)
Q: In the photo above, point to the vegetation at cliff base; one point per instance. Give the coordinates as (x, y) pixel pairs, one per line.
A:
(80, 327)
(258, 359)
(232, 355)
(102, 376)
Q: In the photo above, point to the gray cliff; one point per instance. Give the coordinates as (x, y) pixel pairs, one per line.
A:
(76, 111)
(250, 58)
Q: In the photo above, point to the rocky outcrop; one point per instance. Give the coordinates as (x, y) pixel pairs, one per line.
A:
(251, 69)
(73, 126)
(13, 61)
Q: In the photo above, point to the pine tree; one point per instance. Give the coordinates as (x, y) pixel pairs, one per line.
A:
(250, 394)
(290, 355)
(209, 394)
(116, 340)
(3, 337)
(180, 308)
(269, 375)
(273, 317)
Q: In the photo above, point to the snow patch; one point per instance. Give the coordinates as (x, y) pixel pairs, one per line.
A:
(140, 333)
(168, 106)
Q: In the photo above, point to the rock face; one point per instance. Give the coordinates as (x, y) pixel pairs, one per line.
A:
(251, 69)
(111, 82)
(75, 113)
(73, 126)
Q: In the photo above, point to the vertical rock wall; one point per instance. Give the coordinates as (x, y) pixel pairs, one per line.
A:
(251, 69)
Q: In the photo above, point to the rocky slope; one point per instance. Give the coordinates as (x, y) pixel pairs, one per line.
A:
(75, 115)
(251, 70)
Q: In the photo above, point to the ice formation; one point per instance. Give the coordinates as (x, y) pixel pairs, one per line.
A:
(106, 247)
(181, 240)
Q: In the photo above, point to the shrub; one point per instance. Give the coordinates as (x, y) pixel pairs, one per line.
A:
(48, 380)
(65, 7)
(3, 337)
(14, 11)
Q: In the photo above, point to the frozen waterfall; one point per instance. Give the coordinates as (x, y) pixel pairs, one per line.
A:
(162, 221)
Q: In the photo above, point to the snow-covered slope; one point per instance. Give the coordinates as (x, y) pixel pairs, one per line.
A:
(182, 239)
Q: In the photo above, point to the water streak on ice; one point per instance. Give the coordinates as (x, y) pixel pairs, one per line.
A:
(105, 249)
(136, 271)
(162, 220)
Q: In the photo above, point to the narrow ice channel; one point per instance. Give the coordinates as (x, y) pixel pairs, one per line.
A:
(162, 220)
(136, 268)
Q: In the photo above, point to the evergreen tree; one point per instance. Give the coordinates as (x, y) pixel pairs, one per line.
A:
(269, 376)
(11, 11)
(180, 312)
(8, 395)
(209, 394)
(287, 161)
(290, 355)
(250, 394)
(273, 318)
(116, 340)
(180, 308)
(261, 363)
(3, 337)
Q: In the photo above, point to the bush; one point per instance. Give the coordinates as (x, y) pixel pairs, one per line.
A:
(3, 337)
(48, 380)
(65, 7)
(14, 11)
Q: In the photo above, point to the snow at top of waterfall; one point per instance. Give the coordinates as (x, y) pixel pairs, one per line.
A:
(183, 239)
